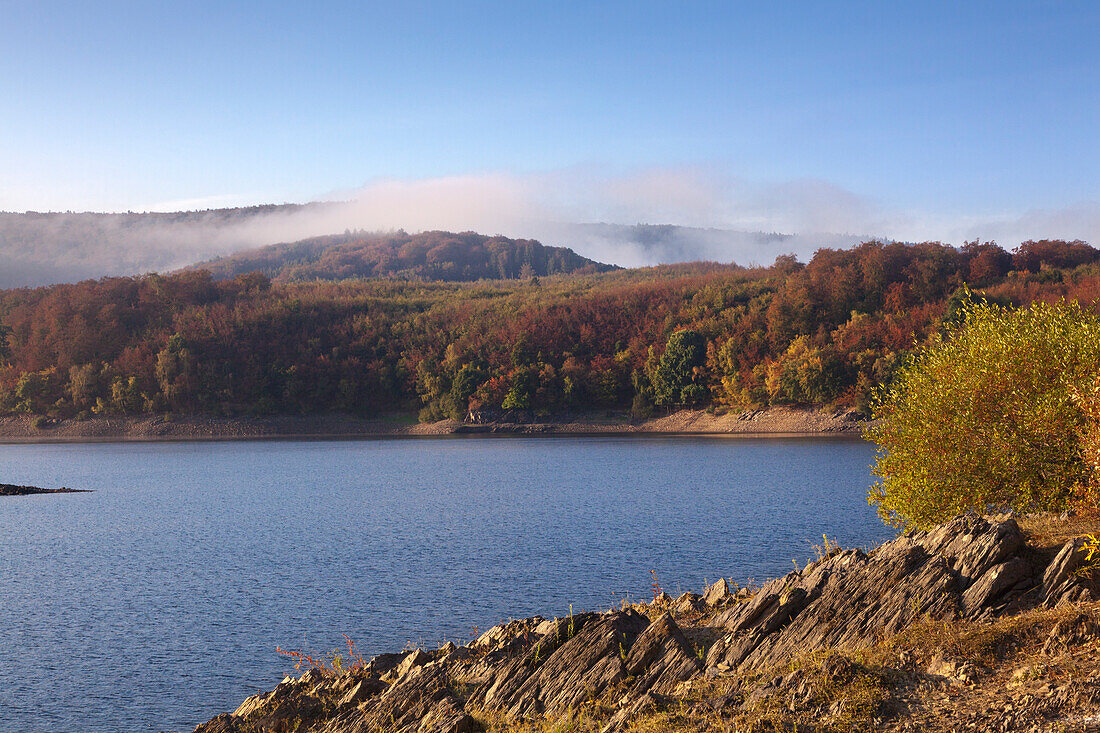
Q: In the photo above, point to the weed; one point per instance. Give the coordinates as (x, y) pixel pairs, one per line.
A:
(1092, 557)
(332, 663)
(826, 548)
(657, 590)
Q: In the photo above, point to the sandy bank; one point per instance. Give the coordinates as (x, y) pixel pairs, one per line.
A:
(779, 420)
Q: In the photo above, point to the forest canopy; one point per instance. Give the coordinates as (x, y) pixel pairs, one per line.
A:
(708, 335)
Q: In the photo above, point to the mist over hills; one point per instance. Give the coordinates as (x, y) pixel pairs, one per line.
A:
(43, 248)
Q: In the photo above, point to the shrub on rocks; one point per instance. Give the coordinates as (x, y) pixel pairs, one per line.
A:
(988, 415)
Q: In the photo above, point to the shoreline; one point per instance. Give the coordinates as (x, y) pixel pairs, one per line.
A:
(18, 490)
(894, 638)
(777, 422)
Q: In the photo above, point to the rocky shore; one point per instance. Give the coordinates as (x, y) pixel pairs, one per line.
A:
(13, 490)
(978, 624)
(772, 421)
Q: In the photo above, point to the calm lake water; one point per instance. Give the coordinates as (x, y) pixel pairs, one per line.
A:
(157, 601)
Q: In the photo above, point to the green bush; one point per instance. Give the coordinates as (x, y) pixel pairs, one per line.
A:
(984, 417)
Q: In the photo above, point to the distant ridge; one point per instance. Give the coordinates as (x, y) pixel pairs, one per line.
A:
(40, 248)
(435, 255)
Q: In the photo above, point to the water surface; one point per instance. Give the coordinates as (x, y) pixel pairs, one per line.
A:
(157, 601)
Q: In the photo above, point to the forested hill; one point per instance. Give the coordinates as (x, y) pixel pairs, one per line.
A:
(441, 256)
(701, 335)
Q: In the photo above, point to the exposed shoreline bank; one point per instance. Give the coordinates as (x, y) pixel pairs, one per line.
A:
(777, 421)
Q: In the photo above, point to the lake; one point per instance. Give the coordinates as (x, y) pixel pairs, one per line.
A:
(157, 601)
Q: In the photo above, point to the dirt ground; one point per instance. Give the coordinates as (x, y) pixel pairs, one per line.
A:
(773, 421)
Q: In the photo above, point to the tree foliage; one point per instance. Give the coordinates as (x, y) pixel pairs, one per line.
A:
(677, 375)
(984, 416)
(697, 334)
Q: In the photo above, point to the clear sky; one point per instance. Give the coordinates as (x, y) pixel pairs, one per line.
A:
(922, 115)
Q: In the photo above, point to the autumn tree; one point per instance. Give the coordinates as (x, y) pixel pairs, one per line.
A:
(984, 416)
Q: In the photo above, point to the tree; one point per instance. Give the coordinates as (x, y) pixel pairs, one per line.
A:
(676, 375)
(5, 347)
(985, 417)
(804, 374)
(463, 387)
(175, 372)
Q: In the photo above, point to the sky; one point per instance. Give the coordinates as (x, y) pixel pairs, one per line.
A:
(931, 120)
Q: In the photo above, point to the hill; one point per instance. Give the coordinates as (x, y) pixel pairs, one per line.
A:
(439, 256)
(651, 340)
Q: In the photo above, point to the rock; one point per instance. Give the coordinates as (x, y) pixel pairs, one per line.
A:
(1071, 632)
(507, 634)
(493, 636)
(717, 593)
(994, 583)
(851, 599)
(312, 676)
(688, 603)
(383, 664)
(622, 718)
(419, 702)
(661, 658)
(971, 544)
(224, 723)
(252, 704)
(662, 599)
(546, 627)
(1059, 580)
(838, 668)
(970, 567)
(953, 670)
(585, 665)
(296, 699)
(362, 690)
(413, 659)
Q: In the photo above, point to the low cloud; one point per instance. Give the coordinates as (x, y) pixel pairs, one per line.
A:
(632, 218)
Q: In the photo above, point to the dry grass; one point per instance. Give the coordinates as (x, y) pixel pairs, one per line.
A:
(1050, 531)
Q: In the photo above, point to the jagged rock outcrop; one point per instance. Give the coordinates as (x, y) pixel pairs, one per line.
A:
(587, 661)
(1061, 581)
(849, 599)
(968, 568)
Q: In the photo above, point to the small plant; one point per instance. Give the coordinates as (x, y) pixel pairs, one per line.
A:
(333, 663)
(826, 548)
(657, 590)
(1092, 557)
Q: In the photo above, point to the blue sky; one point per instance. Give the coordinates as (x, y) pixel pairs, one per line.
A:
(932, 119)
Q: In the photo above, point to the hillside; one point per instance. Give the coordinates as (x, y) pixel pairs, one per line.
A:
(440, 256)
(648, 341)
